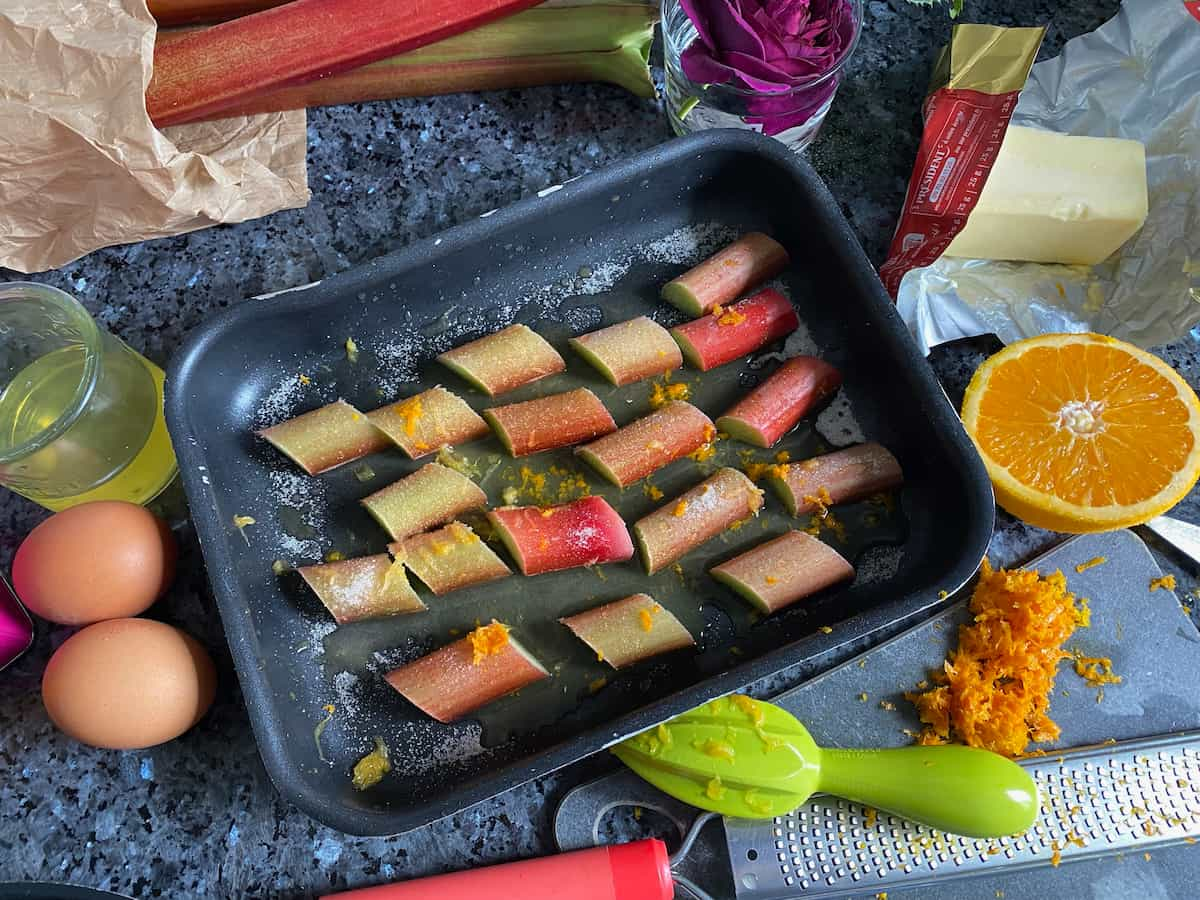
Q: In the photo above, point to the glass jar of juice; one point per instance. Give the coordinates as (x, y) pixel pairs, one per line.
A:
(81, 414)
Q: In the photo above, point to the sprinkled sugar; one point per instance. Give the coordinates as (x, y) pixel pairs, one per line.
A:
(837, 422)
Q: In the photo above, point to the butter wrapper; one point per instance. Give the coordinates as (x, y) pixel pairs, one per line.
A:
(81, 165)
(1134, 77)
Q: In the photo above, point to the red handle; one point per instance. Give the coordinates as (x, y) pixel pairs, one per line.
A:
(637, 871)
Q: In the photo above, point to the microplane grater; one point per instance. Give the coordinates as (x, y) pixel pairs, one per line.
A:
(1105, 799)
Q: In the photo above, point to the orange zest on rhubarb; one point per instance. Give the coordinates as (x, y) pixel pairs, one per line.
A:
(487, 640)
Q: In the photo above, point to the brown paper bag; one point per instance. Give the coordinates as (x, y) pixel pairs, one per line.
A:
(82, 167)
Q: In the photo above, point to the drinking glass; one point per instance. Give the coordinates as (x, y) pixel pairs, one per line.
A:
(81, 414)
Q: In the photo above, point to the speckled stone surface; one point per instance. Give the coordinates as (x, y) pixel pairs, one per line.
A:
(198, 817)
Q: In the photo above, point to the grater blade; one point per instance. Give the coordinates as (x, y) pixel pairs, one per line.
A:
(1110, 798)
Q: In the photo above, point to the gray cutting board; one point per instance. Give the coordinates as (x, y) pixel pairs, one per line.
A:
(1153, 646)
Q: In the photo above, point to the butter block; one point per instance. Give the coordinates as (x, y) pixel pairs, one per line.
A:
(1057, 198)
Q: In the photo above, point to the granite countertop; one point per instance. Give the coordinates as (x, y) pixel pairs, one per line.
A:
(198, 817)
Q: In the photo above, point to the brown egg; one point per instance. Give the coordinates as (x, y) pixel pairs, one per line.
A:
(95, 561)
(126, 684)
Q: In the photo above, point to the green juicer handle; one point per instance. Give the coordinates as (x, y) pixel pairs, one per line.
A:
(962, 790)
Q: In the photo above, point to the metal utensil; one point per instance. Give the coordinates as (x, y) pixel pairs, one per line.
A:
(1183, 536)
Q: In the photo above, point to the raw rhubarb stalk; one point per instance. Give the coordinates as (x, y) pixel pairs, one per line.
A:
(326, 438)
(771, 409)
(727, 274)
(461, 677)
(843, 476)
(430, 496)
(185, 12)
(726, 334)
(784, 570)
(577, 40)
(217, 68)
(649, 443)
(450, 558)
(584, 532)
(630, 351)
(504, 361)
(627, 631)
(559, 420)
(424, 423)
(364, 588)
(697, 516)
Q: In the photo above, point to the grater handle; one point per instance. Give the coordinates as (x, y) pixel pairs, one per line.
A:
(958, 789)
(637, 871)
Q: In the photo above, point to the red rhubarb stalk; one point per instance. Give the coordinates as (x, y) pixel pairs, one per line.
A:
(649, 443)
(559, 420)
(784, 570)
(629, 630)
(461, 677)
(697, 516)
(504, 361)
(771, 409)
(186, 12)
(726, 334)
(843, 476)
(215, 69)
(584, 532)
(579, 40)
(727, 274)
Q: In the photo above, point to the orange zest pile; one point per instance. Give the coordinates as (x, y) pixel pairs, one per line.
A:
(487, 640)
(994, 690)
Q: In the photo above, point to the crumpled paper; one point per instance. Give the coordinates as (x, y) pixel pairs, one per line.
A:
(81, 165)
(1135, 77)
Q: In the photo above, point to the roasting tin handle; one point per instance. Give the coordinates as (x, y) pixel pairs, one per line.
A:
(1183, 536)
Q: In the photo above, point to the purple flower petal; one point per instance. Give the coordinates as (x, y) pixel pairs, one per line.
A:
(724, 27)
(773, 47)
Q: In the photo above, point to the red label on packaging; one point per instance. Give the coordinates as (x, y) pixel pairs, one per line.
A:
(1193, 6)
(963, 133)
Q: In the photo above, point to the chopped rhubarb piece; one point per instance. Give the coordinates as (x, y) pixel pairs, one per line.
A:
(727, 274)
(630, 351)
(771, 409)
(843, 476)
(430, 496)
(450, 558)
(549, 422)
(326, 438)
(627, 631)
(504, 361)
(219, 67)
(584, 532)
(726, 334)
(426, 422)
(697, 516)
(649, 443)
(461, 677)
(362, 588)
(784, 570)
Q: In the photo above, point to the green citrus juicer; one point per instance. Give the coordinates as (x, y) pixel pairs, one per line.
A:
(749, 759)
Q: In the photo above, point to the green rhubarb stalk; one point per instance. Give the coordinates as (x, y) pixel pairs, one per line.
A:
(561, 41)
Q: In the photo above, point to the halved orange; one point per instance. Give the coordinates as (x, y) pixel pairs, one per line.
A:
(1081, 432)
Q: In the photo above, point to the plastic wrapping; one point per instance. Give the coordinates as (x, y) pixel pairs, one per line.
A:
(1134, 77)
